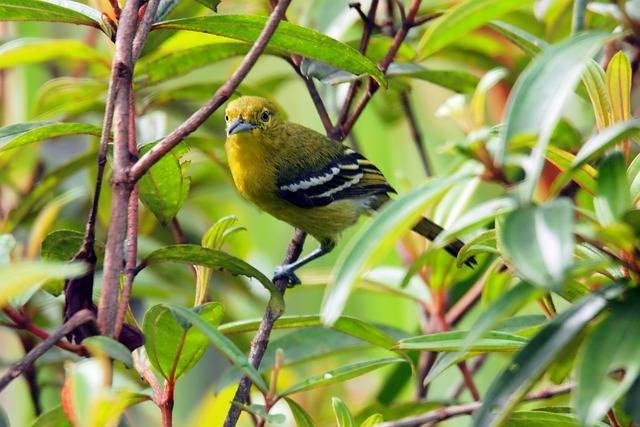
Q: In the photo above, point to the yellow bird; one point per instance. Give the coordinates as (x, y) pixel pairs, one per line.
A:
(304, 178)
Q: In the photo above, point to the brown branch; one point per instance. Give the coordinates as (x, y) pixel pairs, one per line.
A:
(372, 85)
(19, 367)
(122, 73)
(221, 95)
(447, 412)
(20, 321)
(132, 226)
(261, 339)
(416, 135)
(144, 27)
(477, 364)
(465, 303)
(369, 24)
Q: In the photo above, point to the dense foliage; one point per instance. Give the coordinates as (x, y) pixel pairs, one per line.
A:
(511, 123)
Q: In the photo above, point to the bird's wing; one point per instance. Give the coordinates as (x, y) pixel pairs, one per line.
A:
(346, 175)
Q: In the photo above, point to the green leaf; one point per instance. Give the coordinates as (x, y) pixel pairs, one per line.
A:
(505, 306)
(341, 374)
(156, 69)
(68, 96)
(593, 79)
(173, 345)
(99, 345)
(193, 254)
(302, 418)
(526, 41)
(22, 276)
(540, 418)
(530, 363)
(373, 241)
(631, 406)
(539, 95)
(372, 420)
(62, 245)
(164, 188)
(51, 10)
(603, 140)
(456, 80)
(343, 416)
(612, 199)
(619, 335)
(618, 80)
(584, 175)
(342, 413)
(289, 38)
(463, 18)
(32, 51)
(453, 341)
(14, 136)
(221, 343)
(476, 217)
(54, 417)
(211, 4)
(539, 241)
(44, 188)
(347, 325)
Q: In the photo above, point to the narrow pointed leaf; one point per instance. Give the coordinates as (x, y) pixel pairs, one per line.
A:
(597, 391)
(223, 344)
(463, 18)
(49, 10)
(14, 136)
(604, 140)
(618, 78)
(376, 239)
(302, 418)
(22, 276)
(538, 97)
(193, 254)
(453, 340)
(341, 374)
(342, 413)
(539, 241)
(289, 38)
(531, 362)
(503, 307)
(612, 199)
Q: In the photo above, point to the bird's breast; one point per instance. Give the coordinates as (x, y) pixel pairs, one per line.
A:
(252, 173)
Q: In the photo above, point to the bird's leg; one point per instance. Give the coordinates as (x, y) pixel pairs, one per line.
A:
(288, 270)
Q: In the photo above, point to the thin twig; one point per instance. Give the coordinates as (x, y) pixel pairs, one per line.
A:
(468, 408)
(81, 317)
(369, 23)
(22, 322)
(372, 85)
(122, 67)
(221, 95)
(465, 303)
(144, 27)
(261, 339)
(416, 135)
(477, 364)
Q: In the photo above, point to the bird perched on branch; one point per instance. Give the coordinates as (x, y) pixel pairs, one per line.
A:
(304, 178)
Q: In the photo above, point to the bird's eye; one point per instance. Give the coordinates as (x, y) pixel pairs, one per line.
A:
(265, 116)
(226, 118)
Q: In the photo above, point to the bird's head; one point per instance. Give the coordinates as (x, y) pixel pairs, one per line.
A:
(251, 114)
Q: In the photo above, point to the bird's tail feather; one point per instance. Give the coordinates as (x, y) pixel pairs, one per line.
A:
(430, 230)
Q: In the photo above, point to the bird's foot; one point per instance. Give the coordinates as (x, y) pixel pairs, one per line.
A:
(285, 272)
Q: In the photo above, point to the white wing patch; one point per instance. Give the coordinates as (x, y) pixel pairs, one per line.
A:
(334, 190)
(313, 181)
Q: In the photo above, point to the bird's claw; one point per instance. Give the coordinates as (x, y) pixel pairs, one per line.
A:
(283, 272)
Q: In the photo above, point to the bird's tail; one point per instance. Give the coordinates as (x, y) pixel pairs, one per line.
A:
(430, 230)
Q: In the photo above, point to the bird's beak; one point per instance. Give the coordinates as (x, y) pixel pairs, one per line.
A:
(239, 125)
